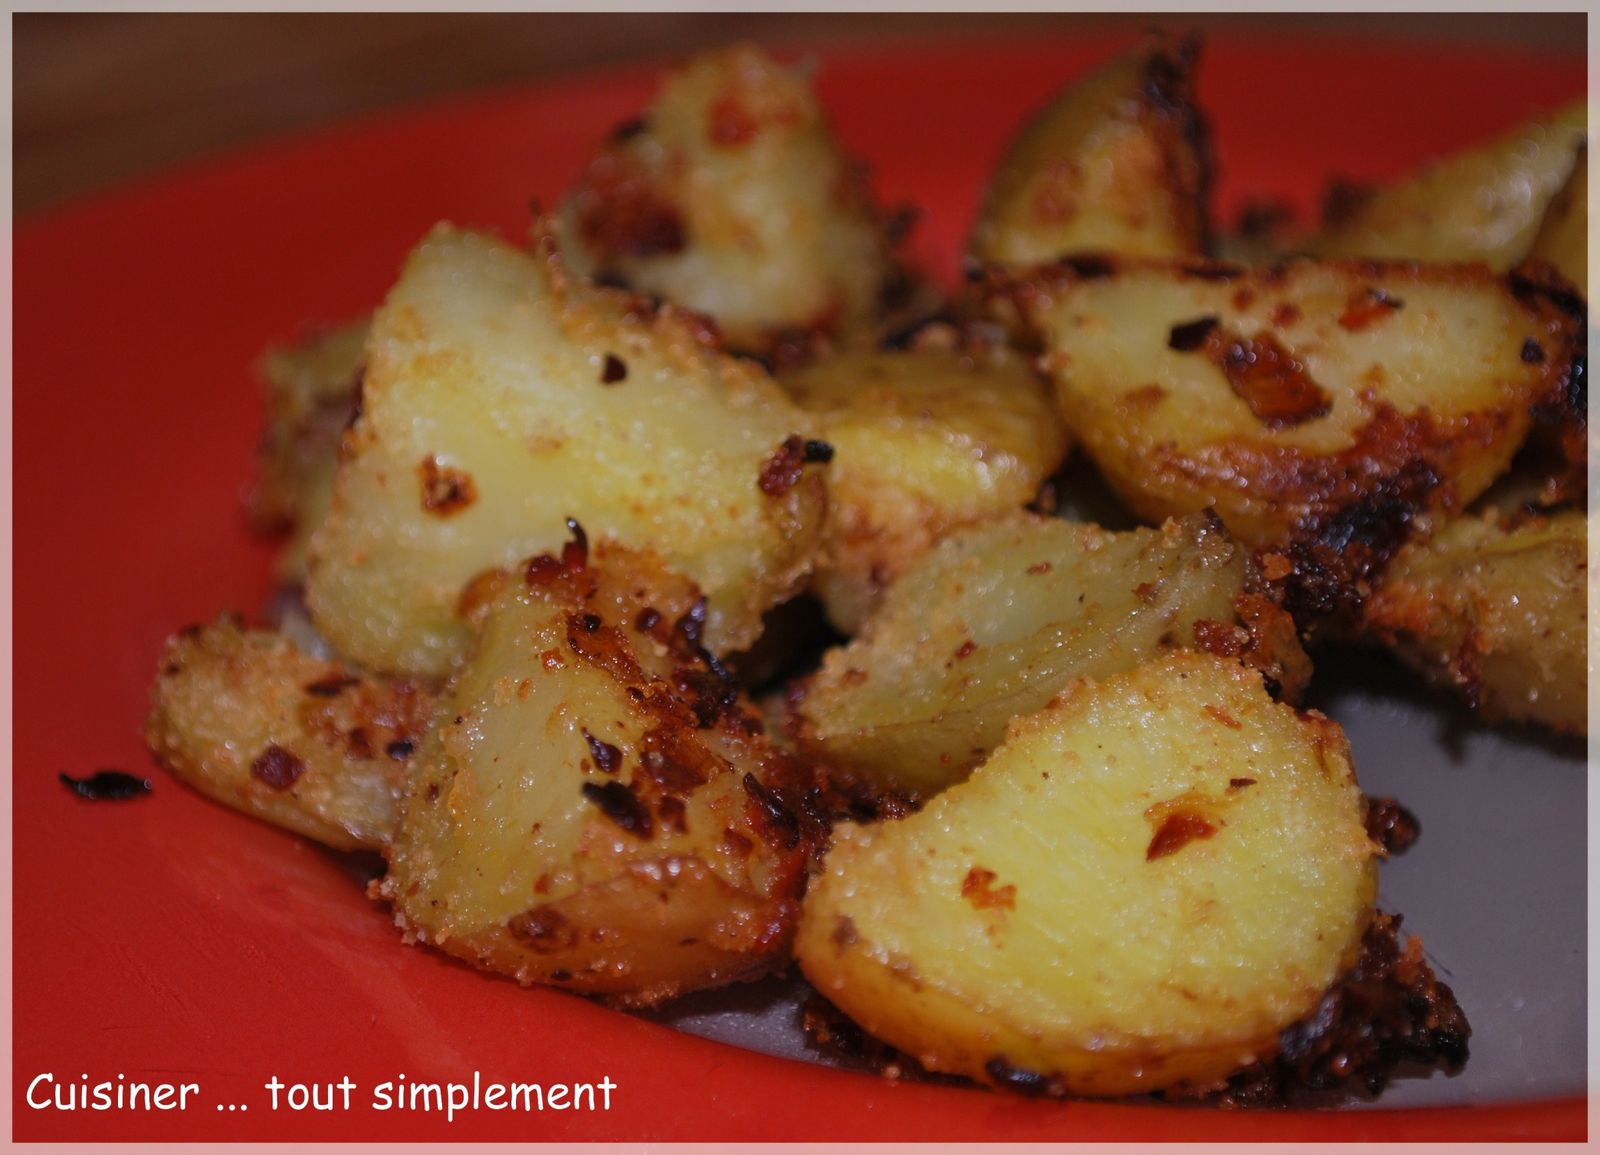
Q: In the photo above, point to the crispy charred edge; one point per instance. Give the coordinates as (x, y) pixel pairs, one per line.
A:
(1336, 555)
(684, 691)
(1333, 561)
(1388, 1010)
(1389, 824)
(1564, 411)
(1363, 502)
(837, 792)
(1262, 635)
(1172, 113)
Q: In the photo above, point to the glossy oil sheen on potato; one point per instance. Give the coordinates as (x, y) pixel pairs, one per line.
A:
(1141, 888)
(501, 398)
(590, 811)
(992, 623)
(923, 440)
(1282, 397)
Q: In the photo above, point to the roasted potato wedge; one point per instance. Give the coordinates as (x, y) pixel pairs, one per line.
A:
(1118, 162)
(1563, 237)
(305, 743)
(1484, 204)
(993, 622)
(1288, 397)
(1496, 608)
(1148, 881)
(501, 397)
(598, 809)
(923, 440)
(732, 196)
(311, 389)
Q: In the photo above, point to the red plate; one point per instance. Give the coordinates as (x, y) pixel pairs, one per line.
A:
(168, 940)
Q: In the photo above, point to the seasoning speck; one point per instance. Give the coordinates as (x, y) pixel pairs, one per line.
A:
(277, 768)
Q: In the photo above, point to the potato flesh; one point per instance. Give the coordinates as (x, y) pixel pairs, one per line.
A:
(1023, 924)
(1441, 384)
(487, 421)
(991, 624)
(1563, 237)
(1497, 612)
(227, 697)
(1116, 163)
(1484, 204)
(734, 198)
(923, 440)
(573, 821)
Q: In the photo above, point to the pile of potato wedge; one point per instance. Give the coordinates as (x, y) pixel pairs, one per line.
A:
(1037, 804)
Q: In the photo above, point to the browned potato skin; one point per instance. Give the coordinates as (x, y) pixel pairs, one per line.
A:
(1279, 482)
(1117, 163)
(1495, 607)
(310, 388)
(686, 875)
(998, 617)
(226, 697)
(732, 196)
(924, 440)
(1483, 204)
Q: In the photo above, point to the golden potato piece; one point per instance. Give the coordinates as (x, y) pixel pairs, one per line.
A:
(732, 196)
(1287, 397)
(1117, 163)
(502, 397)
(992, 623)
(924, 440)
(1481, 205)
(598, 809)
(1497, 609)
(311, 745)
(1563, 238)
(311, 389)
(1148, 881)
